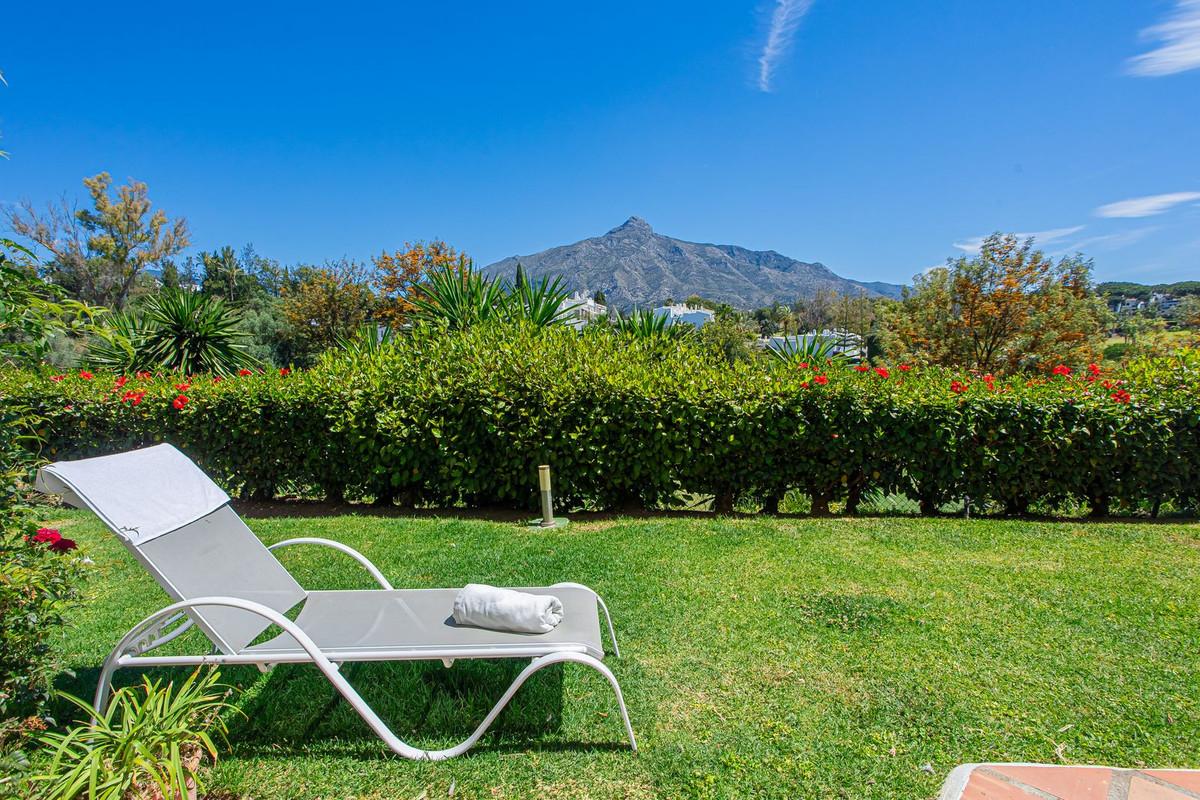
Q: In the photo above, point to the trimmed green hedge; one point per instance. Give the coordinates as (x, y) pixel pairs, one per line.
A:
(464, 418)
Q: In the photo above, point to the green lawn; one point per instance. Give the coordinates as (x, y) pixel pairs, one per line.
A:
(788, 658)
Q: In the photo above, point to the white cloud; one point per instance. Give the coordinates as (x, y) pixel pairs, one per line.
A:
(1108, 241)
(785, 19)
(1146, 206)
(1179, 50)
(1041, 237)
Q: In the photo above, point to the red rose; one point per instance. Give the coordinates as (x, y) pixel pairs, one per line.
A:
(180, 402)
(821, 380)
(57, 378)
(905, 367)
(63, 545)
(284, 372)
(958, 387)
(87, 376)
(1061, 369)
(882, 372)
(244, 372)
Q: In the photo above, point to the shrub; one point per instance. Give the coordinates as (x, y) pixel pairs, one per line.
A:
(149, 743)
(464, 417)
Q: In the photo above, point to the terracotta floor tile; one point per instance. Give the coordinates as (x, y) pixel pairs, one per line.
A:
(986, 787)
(1187, 778)
(1142, 789)
(1069, 784)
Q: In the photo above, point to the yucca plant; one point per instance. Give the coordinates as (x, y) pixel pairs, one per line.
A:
(647, 325)
(458, 298)
(176, 330)
(148, 744)
(367, 341)
(810, 348)
(540, 304)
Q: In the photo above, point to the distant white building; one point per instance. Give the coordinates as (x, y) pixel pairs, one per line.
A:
(845, 343)
(684, 314)
(585, 309)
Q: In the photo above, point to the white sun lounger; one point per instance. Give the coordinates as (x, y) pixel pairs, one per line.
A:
(179, 525)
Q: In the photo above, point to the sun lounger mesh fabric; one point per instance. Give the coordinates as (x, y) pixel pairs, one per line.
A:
(141, 494)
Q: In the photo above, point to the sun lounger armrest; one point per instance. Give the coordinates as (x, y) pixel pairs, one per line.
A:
(350, 551)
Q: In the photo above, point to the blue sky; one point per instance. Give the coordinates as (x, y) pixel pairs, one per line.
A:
(878, 138)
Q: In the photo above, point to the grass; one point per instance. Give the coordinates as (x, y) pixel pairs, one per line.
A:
(789, 658)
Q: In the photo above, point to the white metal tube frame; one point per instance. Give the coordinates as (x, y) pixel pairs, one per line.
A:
(124, 655)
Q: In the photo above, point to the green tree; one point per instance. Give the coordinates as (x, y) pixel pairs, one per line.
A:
(1011, 307)
(100, 253)
(326, 304)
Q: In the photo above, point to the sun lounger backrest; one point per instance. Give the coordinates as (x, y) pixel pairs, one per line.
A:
(179, 525)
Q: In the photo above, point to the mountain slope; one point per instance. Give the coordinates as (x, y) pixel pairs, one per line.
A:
(634, 266)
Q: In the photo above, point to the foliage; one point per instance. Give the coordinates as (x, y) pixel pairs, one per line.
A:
(728, 339)
(458, 298)
(33, 311)
(399, 276)
(810, 349)
(100, 253)
(640, 324)
(176, 330)
(328, 303)
(37, 586)
(1007, 309)
(448, 417)
(538, 303)
(149, 742)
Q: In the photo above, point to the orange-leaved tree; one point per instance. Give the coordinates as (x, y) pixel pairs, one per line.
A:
(399, 275)
(1010, 307)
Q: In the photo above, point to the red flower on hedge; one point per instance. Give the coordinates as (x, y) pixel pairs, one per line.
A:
(133, 397)
(180, 402)
(821, 380)
(1120, 396)
(803, 365)
(990, 380)
(958, 387)
(57, 378)
(284, 372)
(63, 545)
(183, 387)
(1094, 369)
(861, 368)
(53, 539)
(882, 372)
(87, 376)
(1061, 369)
(804, 384)
(119, 382)
(217, 379)
(143, 376)
(905, 367)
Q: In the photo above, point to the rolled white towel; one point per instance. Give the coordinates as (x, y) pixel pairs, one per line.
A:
(506, 610)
